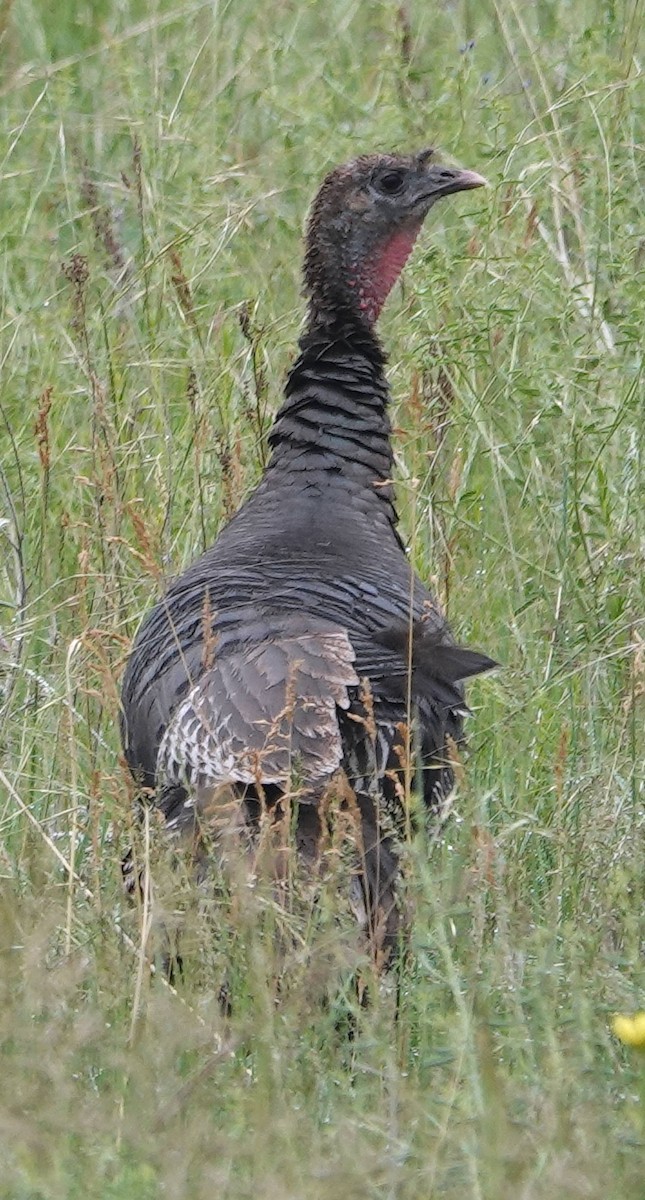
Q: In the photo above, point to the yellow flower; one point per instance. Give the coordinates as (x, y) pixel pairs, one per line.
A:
(630, 1030)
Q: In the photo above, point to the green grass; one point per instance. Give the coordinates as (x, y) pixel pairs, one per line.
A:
(174, 149)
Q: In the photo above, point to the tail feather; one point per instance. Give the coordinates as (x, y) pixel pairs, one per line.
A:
(438, 667)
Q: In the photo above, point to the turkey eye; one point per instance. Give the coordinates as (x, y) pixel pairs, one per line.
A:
(391, 182)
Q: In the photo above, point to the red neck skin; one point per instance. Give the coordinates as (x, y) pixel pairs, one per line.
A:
(375, 280)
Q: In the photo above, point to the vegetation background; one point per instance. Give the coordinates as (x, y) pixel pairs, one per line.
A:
(158, 158)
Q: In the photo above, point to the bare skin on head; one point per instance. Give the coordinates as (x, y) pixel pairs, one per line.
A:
(363, 225)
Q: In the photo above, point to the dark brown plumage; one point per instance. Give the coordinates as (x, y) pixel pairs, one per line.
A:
(279, 663)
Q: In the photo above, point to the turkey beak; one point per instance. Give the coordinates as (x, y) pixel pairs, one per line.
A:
(443, 181)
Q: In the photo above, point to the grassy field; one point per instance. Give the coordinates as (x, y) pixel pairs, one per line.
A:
(157, 164)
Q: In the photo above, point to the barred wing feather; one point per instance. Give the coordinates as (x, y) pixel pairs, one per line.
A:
(265, 710)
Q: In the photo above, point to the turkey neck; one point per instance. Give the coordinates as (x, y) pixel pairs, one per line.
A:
(334, 418)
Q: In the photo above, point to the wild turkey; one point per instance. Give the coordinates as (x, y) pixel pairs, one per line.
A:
(295, 654)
